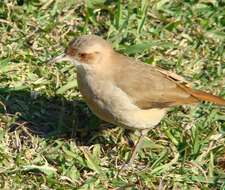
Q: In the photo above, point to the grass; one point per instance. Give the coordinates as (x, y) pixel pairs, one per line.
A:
(49, 139)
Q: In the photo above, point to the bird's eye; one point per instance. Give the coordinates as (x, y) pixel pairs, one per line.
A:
(82, 55)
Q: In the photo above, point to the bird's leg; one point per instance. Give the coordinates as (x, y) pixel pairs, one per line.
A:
(137, 147)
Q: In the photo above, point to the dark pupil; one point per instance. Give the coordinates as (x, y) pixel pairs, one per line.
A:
(82, 55)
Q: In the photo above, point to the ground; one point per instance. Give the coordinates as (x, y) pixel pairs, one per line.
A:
(49, 139)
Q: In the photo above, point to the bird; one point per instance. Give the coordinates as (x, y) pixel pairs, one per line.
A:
(124, 91)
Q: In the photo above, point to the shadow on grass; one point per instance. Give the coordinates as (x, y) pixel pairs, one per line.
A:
(51, 117)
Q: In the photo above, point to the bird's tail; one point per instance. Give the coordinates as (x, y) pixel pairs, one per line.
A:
(204, 96)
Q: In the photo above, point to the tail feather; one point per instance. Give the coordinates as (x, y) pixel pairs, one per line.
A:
(204, 96)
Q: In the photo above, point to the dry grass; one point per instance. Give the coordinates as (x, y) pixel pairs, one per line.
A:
(48, 137)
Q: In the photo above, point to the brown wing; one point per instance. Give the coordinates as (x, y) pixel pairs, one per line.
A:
(150, 87)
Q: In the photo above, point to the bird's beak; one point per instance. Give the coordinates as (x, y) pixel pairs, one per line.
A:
(62, 57)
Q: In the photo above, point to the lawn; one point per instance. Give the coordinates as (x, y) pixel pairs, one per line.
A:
(49, 139)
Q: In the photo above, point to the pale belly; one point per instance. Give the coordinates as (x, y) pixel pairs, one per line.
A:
(111, 104)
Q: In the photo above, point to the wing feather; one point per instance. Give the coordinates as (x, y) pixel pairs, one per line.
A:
(149, 86)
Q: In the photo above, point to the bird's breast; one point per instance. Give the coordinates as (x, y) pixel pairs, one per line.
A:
(93, 89)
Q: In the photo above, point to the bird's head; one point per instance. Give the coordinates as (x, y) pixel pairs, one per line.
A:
(85, 50)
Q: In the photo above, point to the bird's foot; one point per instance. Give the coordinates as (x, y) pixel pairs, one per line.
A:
(132, 167)
(126, 166)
